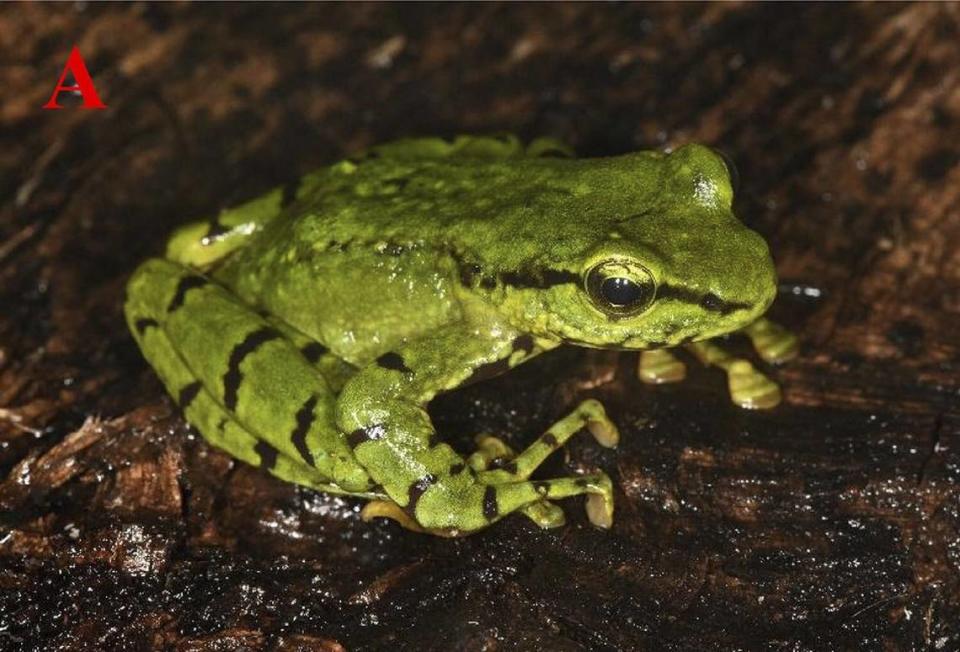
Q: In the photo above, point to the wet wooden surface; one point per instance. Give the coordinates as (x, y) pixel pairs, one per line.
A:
(832, 522)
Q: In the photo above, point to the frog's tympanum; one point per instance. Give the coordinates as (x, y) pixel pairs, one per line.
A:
(306, 331)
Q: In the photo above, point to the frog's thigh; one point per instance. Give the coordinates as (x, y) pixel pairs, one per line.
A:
(748, 387)
(209, 347)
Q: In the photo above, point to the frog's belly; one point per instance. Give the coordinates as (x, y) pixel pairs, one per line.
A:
(358, 304)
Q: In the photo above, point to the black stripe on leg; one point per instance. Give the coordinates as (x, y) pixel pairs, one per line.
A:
(268, 455)
(417, 489)
(549, 439)
(187, 394)
(313, 351)
(541, 487)
(305, 419)
(233, 377)
(144, 323)
(186, 284)
(490, 507)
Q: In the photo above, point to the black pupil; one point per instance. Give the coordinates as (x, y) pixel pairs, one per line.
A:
(621, 291)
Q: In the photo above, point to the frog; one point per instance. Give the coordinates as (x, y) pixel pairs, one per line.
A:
(307, 330)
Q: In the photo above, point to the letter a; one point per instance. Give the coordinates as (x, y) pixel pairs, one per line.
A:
(84, 85)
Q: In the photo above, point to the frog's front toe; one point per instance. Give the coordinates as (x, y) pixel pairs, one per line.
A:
(772, 342)
(751, 389)
(659, 366)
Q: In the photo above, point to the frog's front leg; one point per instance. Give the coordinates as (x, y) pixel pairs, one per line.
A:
(383, 409)
(749, 388)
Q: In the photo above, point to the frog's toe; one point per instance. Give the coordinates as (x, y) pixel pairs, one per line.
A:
(545, 514)
(490, 452)
(389, 509)
(659, 366)
(772, 342)
(751, 389)
(599, 424)
(600, 504)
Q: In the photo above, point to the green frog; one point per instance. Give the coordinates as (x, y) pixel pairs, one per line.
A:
(306, 331)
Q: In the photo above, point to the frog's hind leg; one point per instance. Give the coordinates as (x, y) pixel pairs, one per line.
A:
(589, 414)
(245, 386)
(503, 490)
(496, 453)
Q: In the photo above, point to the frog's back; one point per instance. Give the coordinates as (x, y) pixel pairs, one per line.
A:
(498, 209)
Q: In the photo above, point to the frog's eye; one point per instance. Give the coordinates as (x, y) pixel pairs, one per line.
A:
(731, 171)
(620, 288)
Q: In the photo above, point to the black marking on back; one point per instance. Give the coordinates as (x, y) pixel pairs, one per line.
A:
(187, 394)
(268, 455)
(541, 487)
(490, 507)
(233, 377)
(510, 467)
(540, 279)
(144, 323)
(305, 419)
(186, 284)
(374, 432)
(312, 351)
(393, 362)
(417, 489)
(457, 469)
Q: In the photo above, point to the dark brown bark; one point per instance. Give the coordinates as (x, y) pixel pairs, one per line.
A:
(832, 522)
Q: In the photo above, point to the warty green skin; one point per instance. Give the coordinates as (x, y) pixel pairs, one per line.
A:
(307, 330)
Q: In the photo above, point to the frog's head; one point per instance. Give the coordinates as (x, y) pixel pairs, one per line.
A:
(678, 267)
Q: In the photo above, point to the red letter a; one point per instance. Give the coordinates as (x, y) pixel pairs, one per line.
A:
(84, 85)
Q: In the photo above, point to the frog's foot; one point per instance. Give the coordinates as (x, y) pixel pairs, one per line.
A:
(748, 387)
(516, 469)
(389, 509)
(658, 366)
(589, 414)
(494, 452)
(772, 342)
